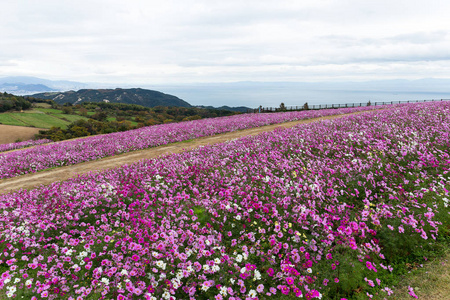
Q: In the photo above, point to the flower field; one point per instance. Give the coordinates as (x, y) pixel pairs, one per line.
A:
(24, 144)
(320, 210)
(87, 149)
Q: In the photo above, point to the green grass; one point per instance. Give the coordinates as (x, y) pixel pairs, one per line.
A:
(39, 118)
(8, 119)
(71, 118)
(32, 111)
(42, 105)
(431, 282)
(50, 110)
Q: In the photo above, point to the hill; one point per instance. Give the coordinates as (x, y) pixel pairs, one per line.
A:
(148, 98)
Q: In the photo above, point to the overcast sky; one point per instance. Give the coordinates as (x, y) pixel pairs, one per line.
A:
(184, 41)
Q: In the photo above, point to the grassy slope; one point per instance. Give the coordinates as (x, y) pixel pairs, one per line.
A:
(432, 282)
(39, 117)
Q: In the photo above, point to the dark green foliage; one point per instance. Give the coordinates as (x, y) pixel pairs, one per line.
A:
(10, 102)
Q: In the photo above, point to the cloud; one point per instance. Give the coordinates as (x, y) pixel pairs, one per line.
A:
(212, 40)
(7, 64)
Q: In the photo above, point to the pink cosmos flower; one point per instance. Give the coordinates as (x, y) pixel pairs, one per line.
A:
(411, 292)
(135, 257)
(285, 289)
(298, 293)
(290, 280)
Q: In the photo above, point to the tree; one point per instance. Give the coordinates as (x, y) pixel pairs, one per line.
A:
(100, 116)
(282, 107)
(83, 111)
(67, 110)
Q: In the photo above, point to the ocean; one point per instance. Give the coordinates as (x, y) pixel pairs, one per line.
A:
(271, 95)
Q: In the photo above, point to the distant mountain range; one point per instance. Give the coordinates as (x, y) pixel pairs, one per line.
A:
(23, 88)
(63, 91)
(137, 96)
(242, 109)
(267, 94)
(25, 85)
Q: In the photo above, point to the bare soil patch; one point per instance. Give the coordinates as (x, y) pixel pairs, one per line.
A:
(10, 134)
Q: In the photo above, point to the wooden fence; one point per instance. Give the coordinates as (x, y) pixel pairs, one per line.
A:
(307, 106)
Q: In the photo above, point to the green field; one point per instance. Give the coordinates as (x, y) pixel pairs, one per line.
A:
(39, 118)
(8, 119)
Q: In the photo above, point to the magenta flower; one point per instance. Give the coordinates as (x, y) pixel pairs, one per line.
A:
(285, 289)
(135, 257)
(289, 280)
(411, 292)
(297, 292)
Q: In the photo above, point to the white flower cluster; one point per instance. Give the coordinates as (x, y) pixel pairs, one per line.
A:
(10, 291)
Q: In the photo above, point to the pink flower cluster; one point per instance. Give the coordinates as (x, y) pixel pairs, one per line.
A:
(24, 144)
(75, 151)
(254, 218)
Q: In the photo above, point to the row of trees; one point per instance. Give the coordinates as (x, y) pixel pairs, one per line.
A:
(82, 128)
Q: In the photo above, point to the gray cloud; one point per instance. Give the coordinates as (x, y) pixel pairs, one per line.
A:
(210, 40)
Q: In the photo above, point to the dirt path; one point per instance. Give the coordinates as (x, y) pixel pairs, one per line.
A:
(29, 181)
(10, 134)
